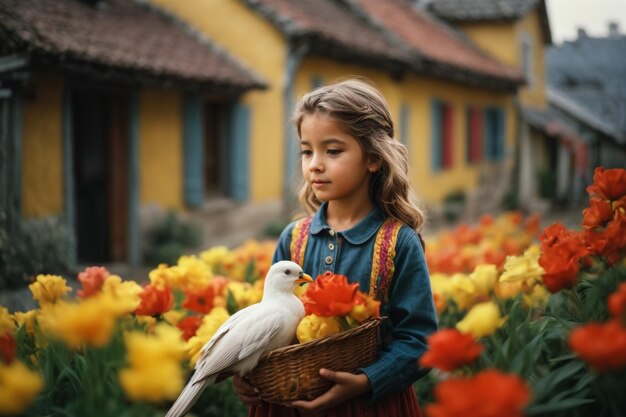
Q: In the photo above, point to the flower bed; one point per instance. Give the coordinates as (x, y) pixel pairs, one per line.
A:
(541, 331)
(532, 323)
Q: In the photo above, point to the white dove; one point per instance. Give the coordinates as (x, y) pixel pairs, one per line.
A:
(239, 343)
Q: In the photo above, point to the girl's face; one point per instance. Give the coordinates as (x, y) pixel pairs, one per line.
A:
(333, 162)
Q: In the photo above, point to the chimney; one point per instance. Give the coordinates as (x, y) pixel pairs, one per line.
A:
(582, 34)
(614, 30)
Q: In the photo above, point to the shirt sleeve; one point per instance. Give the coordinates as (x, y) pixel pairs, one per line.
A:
(411, 319)
(282, 251)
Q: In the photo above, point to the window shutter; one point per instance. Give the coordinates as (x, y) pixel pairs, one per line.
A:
(436, 131)
(193, 144)
(447, 157)
(239, 184)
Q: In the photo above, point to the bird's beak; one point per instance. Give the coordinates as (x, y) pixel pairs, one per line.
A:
(304, 278)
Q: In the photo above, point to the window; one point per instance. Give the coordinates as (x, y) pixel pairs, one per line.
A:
(442, 131)
(494, 134)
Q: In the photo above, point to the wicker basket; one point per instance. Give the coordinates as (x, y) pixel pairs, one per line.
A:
(292, 372)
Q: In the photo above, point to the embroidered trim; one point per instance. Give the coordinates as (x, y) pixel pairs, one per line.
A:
(382, 260)
(299, 239)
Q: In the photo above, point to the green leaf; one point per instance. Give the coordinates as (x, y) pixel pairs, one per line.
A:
(231, 303)
(557, 406)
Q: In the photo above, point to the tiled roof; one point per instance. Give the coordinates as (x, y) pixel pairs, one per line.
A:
(481, 10)
(491, 10)
(122, 36)
(438, 44)
(333, 28)
(389, 31)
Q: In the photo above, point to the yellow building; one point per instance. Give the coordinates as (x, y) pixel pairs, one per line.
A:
(103, 109)
(454, 105)
(517, 33)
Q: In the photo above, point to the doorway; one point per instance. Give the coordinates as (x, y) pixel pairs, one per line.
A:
(100, 126)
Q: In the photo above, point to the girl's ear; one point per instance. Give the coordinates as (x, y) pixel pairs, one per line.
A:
(373, 166)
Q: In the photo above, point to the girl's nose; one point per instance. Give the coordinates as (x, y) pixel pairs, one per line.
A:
(316, 164)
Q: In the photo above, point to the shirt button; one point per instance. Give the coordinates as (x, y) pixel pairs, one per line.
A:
(331, 246)
(329, 260)
(331, 232)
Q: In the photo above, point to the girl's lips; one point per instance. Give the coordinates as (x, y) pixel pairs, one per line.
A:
(319, 183)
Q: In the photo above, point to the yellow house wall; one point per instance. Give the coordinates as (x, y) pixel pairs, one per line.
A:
(534, 94)
(418, 93)
(160, 148)
(42, 149)
(260, 47)
(433, 186)
(503, 41)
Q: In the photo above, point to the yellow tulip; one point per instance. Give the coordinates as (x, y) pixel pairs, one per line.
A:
(197, 274)
(49, 288)
(27, 319)
(125, 293)
(210, 323)
(463, 291)
(142, 380)
(537, 297)
(18, 387)
(89, 321)
(313, 327)
(7, 325)
(482, 320)
(524, 267)
(484, 278)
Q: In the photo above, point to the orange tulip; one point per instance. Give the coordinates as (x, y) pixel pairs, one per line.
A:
(609, 184)
(92, 279)
(155, 300)
(200, 301)
(449, 349)
(329, 295)
(598, 214)
(489, 393)
(602, 346)
(189, 326)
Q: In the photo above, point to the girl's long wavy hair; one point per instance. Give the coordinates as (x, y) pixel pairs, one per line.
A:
(361, 108)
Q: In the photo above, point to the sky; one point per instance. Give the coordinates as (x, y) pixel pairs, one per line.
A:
(592, 15)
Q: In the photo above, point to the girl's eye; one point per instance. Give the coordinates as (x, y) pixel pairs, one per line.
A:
(334, 151)
(306, 152)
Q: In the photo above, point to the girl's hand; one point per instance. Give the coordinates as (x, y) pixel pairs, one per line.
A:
(347, 386)
(246, 392)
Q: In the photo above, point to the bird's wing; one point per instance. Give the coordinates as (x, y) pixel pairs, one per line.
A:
(250, 334)
(225, 328)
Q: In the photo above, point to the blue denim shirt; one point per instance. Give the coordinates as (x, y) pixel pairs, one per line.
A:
(410, 310)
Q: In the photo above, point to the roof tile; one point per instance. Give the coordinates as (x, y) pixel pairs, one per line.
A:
(123, 34)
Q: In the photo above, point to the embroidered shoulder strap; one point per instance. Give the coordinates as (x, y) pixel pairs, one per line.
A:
(382, 259)
(299, 239)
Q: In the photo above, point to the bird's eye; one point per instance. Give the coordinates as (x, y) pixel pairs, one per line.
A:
(288, 271)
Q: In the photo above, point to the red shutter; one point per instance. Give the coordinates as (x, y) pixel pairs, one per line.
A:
(476, 135)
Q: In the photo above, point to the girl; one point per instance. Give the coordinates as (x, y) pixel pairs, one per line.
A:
(356, 184)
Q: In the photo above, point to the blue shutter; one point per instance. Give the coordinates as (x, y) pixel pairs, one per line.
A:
(239, 184)
(436, 129)
(193, 150)
(490, 136)
(134, 177)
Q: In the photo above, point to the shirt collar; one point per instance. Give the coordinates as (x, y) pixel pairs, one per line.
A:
(357, 234)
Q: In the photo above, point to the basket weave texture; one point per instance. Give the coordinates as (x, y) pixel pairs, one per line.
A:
(292, 372)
